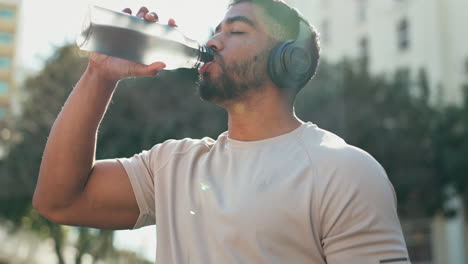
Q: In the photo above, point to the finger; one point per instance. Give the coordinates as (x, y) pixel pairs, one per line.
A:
(153, 17)
(142, 12)
(155, 68)
(127, 10)
(172, 22)
(140, 70)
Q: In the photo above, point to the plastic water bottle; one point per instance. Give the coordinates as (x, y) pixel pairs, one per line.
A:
(121, 35)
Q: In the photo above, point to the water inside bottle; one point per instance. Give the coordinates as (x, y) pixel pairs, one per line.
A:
(131, 38)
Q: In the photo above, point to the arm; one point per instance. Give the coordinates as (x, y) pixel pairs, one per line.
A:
(359, 220)
(72, 187)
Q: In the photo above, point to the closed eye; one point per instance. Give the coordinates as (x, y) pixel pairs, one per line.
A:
(237, 32)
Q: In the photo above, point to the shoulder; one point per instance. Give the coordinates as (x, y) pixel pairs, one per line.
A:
(342, 169)
(329, 152)
(161, 153)
(183, 145)
(354, 204)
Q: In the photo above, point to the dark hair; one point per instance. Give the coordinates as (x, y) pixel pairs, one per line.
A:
(282, 20)
(283, 23)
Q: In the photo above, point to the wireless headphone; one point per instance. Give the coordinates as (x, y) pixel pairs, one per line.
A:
(290, 63)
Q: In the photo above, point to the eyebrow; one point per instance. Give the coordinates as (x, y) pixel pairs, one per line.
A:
(237, 19)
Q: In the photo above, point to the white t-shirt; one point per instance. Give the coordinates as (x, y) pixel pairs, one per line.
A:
(300, 198)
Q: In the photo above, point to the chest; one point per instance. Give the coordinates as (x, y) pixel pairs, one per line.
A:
(237, 207)
(251, 191)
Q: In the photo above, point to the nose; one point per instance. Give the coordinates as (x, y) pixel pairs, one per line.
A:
(215, 43)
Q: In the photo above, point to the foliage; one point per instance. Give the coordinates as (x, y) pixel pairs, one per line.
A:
(44, 96)
(451, 144)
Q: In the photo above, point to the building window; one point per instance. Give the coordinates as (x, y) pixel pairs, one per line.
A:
(403, 35)
(325, 32)
(364, 47)
(5, 38)
(7, 14)
(362, 10)
(3, 87)
(5, 63)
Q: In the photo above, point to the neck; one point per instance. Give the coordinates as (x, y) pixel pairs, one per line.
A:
(260, 117)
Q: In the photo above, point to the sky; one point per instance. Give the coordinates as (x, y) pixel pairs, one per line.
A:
(46, 24)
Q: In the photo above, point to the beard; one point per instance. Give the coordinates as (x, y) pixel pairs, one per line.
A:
(235, 80)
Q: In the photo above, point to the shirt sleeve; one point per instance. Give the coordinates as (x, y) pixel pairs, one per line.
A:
(141, 177)
(358, 214)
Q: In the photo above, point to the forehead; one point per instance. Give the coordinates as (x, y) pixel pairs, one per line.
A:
(248, 10)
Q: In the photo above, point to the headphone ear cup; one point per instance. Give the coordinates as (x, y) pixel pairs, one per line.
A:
(289, 65)
(276, 67)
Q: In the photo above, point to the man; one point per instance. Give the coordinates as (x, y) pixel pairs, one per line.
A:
(272, 189)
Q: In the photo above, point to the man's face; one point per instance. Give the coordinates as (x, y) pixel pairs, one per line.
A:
(242, 47)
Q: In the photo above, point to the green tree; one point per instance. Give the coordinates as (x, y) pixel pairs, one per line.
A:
(46, 93)
(451, 143)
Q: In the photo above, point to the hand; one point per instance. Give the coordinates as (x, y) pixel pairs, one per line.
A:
(114, 69)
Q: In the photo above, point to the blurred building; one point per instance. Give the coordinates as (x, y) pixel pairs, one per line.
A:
(9, 16)
(405, 35)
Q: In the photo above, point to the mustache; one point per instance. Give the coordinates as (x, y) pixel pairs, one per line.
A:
(218, 57)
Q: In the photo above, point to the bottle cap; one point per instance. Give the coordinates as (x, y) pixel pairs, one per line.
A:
(206, 54)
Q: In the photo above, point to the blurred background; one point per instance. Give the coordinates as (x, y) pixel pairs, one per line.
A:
(393, 81)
